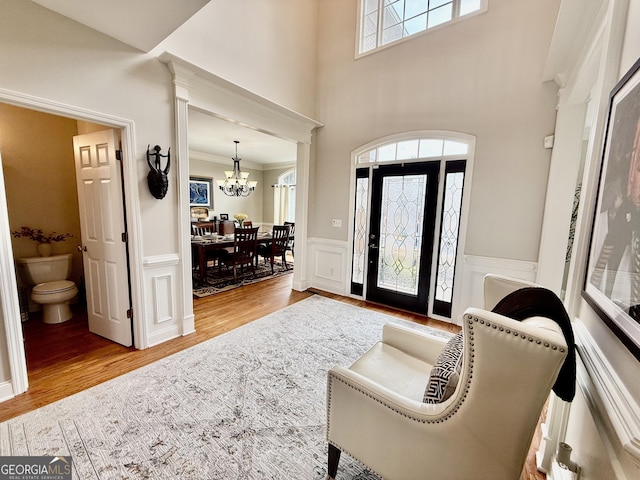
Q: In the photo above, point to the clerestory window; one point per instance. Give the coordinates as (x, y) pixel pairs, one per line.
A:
(383, 22)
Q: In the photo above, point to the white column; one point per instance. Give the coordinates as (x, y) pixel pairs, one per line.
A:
(185, 287)
(303, 164)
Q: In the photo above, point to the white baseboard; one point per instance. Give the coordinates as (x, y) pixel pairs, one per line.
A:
(6, 391)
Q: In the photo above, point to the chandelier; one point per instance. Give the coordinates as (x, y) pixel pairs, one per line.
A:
(236, 183)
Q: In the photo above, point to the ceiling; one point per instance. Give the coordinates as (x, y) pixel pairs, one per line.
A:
(210, 135)
(143, 24)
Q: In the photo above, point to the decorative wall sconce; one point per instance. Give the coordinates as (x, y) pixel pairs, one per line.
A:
(157, 177)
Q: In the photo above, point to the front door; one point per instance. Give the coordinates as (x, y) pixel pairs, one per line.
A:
(403, 209)
(102, 222)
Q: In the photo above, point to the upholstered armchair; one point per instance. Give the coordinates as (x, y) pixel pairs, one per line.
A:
(381, 412)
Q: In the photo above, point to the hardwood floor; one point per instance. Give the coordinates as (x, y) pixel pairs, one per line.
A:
(65, 359)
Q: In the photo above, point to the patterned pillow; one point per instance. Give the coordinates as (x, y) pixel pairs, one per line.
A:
(445, 374)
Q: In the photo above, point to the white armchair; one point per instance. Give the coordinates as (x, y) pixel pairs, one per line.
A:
(376, 414)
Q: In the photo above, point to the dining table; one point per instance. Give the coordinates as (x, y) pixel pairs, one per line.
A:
(200, 245)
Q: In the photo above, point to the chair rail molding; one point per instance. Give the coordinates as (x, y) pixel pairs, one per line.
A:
(606, 394)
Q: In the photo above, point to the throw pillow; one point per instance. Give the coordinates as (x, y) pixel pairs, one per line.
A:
(445, 374)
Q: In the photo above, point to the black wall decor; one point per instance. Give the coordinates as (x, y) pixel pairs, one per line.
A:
(157, 177)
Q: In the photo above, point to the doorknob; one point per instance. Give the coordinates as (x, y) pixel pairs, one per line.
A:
(373, 246)
(82, 248)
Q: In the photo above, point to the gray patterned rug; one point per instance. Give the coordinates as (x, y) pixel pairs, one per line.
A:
(249, 404)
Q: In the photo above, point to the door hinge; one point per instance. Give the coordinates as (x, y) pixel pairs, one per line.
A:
(130, 313)
(118, 154)
(125, 237)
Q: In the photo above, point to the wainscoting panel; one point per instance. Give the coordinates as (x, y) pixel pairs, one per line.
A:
(6, 390)
(328, 269)
(470, 289)
(162, 298)
(607, 396)
(160, 277)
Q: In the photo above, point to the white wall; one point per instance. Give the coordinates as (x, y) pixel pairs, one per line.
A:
(604, 421)
(264, 45)
(481, 76)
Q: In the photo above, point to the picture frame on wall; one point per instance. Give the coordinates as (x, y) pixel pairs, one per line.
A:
(612, 277)
(201, 192)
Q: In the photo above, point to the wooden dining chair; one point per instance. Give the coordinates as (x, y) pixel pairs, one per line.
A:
(291, 241)
(202, 228)
(247, 224)
(277, 247)
(245, 242)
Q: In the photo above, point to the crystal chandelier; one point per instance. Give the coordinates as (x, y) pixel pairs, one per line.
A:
(236, 183)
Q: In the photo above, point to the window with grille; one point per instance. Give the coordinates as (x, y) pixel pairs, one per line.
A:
(383, 22)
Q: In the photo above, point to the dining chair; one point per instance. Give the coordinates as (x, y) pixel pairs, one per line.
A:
(247, 224)
(245, 242)
(292, 231)
(202, 228)
(277, 247)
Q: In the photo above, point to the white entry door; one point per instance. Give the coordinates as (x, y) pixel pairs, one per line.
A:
(104, 245)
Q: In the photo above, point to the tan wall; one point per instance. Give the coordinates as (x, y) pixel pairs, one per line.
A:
(37, 155)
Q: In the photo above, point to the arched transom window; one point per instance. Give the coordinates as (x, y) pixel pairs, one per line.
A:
(414, 148)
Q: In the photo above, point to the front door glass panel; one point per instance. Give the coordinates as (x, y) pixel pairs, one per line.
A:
(401, 231)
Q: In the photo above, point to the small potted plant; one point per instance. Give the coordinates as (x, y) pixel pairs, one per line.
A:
(43, 240)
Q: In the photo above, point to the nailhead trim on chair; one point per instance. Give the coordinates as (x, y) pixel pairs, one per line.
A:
(470, 360)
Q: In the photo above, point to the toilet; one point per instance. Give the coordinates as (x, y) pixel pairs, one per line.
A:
(51, 289)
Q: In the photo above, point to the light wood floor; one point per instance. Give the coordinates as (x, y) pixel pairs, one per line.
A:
(65, 359)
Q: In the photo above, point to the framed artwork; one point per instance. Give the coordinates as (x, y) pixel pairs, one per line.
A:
(224, 216)
(201, 192)
(612, 278)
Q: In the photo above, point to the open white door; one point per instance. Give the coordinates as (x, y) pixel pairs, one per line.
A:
(16, 369)
(104, 246)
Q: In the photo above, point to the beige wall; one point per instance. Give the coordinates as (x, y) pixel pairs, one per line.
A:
(481, 76)
(265, 46)
(40, 178)
(271, 178)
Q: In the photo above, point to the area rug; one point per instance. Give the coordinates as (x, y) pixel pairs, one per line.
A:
(222, 280)
(249, 404)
